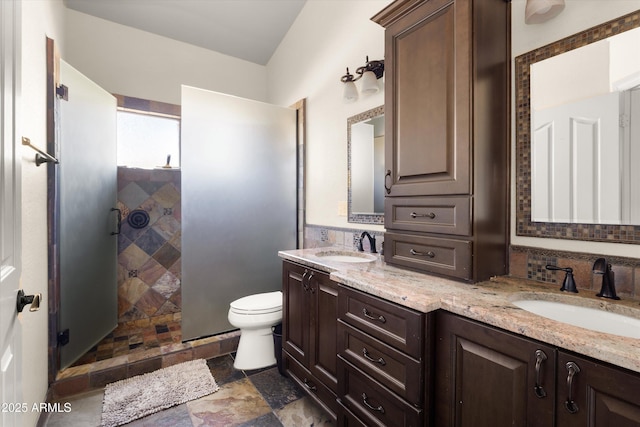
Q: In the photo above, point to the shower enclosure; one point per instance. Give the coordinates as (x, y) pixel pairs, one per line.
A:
(238, 203)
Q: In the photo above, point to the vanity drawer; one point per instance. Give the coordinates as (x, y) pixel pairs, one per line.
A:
(316, 390)
(444, 215)
(397, 326)
(371, 402)
(392, 368)
(449, 257)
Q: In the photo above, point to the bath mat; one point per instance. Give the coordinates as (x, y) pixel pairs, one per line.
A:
(136, 397)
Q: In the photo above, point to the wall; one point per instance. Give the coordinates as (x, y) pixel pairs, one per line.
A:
(136, 63)
(327, 37)
(39, 20)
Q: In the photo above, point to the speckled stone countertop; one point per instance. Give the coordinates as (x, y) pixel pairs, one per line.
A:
(489, 302)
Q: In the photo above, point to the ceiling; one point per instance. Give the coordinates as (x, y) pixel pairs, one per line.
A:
(245, 29)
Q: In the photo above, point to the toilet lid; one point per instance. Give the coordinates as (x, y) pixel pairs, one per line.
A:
(259, 303)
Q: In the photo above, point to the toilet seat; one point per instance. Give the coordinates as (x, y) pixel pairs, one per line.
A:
(265, 303)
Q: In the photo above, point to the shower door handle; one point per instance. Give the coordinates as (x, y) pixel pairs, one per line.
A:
(114, 233)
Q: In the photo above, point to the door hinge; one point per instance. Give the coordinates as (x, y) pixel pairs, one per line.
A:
(62, 92)
(63, 338)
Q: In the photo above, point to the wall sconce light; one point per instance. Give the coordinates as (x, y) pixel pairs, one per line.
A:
(539, 11)
(369, 73)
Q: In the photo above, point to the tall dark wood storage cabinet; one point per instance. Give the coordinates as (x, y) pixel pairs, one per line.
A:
(447, 139)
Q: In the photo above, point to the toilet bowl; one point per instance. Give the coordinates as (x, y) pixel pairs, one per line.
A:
(255, 315)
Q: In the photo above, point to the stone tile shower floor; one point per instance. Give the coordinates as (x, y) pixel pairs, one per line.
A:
(246, 398)
(125, 340)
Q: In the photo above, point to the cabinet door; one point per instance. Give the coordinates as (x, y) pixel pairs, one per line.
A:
(296, 318)
(485, 377)
(324, 329)
(427, 117)
(597, 395)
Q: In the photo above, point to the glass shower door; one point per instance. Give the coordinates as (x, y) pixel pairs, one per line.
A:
(88, 193)
(238, 203)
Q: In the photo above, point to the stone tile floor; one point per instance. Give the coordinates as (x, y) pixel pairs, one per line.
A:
(130, 339)
(246, 398)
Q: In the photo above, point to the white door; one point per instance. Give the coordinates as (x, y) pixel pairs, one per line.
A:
(10, 354)
(575, 162)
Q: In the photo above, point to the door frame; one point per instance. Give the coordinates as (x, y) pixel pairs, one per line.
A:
(53, 209)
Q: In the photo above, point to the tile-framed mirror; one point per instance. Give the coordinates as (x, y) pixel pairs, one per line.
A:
(525, 226)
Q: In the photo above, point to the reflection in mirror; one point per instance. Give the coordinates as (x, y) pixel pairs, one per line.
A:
(542, 169)
(365, 148)
(585, 137)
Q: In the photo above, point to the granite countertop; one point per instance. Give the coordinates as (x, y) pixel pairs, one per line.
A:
(489, 302)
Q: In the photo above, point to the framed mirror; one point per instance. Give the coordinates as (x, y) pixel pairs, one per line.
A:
(583, 210)
(365, 159)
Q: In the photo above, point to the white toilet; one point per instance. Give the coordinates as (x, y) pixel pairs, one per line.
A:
(255, 315)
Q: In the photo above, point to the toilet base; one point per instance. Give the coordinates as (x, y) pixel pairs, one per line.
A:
(255, 349)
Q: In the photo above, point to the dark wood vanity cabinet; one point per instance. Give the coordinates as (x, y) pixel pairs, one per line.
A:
(309, 330)
(381, 361)
(485, 377)
(488, 377)
(602, 395)
(446, 144)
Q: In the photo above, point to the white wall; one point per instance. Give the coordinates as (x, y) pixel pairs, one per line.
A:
(327, 37)
(577, 16)
(137, 63)
(39, 19)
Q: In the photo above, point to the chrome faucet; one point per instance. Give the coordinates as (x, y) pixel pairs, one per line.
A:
(608, 290)
(372, 242)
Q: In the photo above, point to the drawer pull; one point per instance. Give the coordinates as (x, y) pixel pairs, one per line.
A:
(417, 215)
(427, 254)
(368, 315)
(570, 404)
(308, 384)
(379, 360)
(370, 406)
(538, 389)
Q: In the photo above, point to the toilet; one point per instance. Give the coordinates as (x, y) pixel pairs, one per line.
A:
(255, 315)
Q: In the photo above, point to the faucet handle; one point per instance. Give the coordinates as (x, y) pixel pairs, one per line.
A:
(569, 283)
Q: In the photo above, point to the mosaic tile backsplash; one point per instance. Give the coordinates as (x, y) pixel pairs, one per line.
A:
(317, 236)
(530, 263)
(149, 270)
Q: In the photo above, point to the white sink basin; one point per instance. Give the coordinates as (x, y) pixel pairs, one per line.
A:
(351, 257)
(584, 317)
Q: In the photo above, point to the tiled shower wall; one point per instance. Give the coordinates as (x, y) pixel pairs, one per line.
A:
(149, 272)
